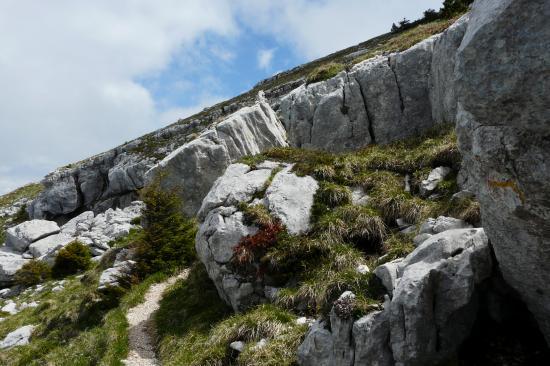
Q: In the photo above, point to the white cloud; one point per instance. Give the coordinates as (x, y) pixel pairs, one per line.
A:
(265, 56)
(315, 28)
(69, 71)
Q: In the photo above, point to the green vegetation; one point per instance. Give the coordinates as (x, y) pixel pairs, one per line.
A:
(29, 191)
(195, 328)
(324, 72)
(72, 259)
(32, 273)
(167, 241)
(75, 326)
(314, 269)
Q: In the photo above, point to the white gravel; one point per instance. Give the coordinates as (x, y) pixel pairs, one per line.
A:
(142, 328)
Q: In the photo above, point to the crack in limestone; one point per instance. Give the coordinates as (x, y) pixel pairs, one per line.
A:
(369, 115)
(402, 103)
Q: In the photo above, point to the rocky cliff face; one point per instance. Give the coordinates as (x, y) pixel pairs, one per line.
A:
(489, 73)
(503, 79)
(380, 100)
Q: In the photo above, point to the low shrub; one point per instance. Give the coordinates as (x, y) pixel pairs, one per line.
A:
(33, 273)
(324, 72)
(72, 259)
(252, 247)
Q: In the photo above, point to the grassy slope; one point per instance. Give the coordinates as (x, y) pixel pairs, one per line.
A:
(73, 326)
(29, 191)
(314, 269)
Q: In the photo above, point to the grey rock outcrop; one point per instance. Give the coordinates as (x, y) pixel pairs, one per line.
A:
(18, 337)
(290, 198)
(222, 225)
(436, 176)
(193, 168)
(442, 87)
(328, 115)
(503, 83)
(380, 100)
(432, 308)
(121, 269)
(21, 236)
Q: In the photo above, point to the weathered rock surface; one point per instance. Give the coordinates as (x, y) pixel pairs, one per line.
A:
(436, 176)
(503, 81)
(46, 247)
(193, 168)
(10, 262)
(121, 269)
(328, 115)
(95, 231)
(18, 337)
(432, 308)
(380, 100)
(21, 236)
(443, 96)
(289, 198)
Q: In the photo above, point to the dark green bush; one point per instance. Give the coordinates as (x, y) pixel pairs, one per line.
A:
(454, 7)
(73, 258)
(168, 238)
(33, 273)
(21, 215)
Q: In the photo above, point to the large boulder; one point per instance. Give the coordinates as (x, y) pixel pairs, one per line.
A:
(21, 236)
(46, 247)
(432, 308)
(222, 225)
(193, 168)
(503, 83)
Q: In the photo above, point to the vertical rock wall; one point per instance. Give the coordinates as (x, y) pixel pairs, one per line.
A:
(503, 127)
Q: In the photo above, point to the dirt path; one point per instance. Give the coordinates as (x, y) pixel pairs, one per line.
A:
(140, 320)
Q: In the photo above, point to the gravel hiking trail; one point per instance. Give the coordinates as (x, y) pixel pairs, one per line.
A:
(141, 325)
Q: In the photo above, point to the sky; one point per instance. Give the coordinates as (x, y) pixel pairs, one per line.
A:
(79, 77)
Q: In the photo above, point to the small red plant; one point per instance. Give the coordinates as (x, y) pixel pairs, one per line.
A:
(252, 247)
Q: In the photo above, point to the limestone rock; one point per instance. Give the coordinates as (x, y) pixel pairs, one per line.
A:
(436, 176)
(195, 166)
(238, 184)
(371, 335)
(290, 199)
(442, 223)
(412, 70)
(18, 337)
(434, 303)
(503, 129)
(48, 246)
(222, 225)
(10, 262)
(316, 349)
(328, 115)
(443, 96)
(432, 308)
(21, 236)
(382, 99)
